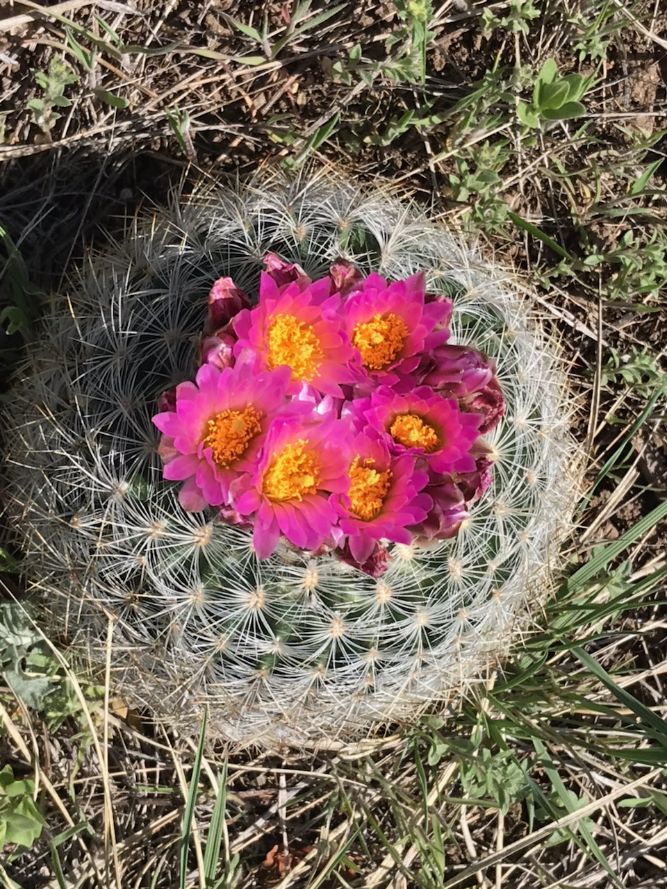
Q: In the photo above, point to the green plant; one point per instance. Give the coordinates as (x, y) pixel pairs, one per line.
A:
(517, 19)
(494, 776)
(554, 97)
(25, 661)
(35, 674)
(302, 20)
(53, 84)
(21, 822)
(20, 299)
(477, 179)
(404, 50)
(638, 368)
(297, 647)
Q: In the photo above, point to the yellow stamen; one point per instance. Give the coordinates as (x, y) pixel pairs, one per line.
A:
(380, 340)
(411, 431)
(292, 474)
(294, 343)
(230, 432)
(368, 488)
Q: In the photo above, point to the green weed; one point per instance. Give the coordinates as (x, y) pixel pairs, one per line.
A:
(53, 82)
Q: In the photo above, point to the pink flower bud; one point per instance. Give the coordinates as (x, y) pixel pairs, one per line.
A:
(225, 300)
(284, 273)
(345, 276)
(487, 401)
(457, 370)
(218, 349)
(446, 514)
(375, 565)
(474, 484)
(167, 400)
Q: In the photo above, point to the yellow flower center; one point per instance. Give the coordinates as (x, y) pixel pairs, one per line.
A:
(380, 340)
(294, 343)
(230, 432)
(411, 431)
(292, 473)
(368, 488)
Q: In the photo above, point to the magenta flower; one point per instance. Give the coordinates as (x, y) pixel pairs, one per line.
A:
(225, 300)
(383, 499)
(303, 461)
(217, 429)
(424, 423)
(391, 325)
(299, 329)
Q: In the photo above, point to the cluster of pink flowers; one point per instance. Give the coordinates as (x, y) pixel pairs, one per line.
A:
(334, 413)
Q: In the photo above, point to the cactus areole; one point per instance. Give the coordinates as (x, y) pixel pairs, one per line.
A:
(301, 452)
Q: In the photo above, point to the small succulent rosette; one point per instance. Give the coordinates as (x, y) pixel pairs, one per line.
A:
(332, 415)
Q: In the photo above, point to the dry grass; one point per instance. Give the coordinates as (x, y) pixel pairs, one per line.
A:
(552, 744)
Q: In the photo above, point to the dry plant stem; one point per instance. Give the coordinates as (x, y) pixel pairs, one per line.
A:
(46, 12)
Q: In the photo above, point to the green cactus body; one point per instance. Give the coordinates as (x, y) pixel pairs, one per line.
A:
(296, 649)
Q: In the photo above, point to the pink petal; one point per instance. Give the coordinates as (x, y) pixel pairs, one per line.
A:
(266, 533)
(190, 497)
(181, 467)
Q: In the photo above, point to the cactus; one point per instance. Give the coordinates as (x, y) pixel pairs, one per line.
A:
(295, 649)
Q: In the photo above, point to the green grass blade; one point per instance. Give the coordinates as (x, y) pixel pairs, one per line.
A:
(605, 555)
(620, 450)
(190, 803)
(536, 232)
(654, 724)
(216, 829)
(567, 800)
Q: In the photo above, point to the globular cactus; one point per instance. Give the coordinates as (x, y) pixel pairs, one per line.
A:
(296, 649)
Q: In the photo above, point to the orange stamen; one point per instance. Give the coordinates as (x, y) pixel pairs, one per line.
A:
(294, 343)
(229, 434)
(368, 488)
(411, 431)
(292, 474)
(380, 340)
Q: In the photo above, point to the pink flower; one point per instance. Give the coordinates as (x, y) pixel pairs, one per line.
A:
(383, 499)
(284, 273)
(391, 325)
(303, 461)
(469, 376)
(424, 423)
(300, 329)
(217, 430)
(225, 300)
